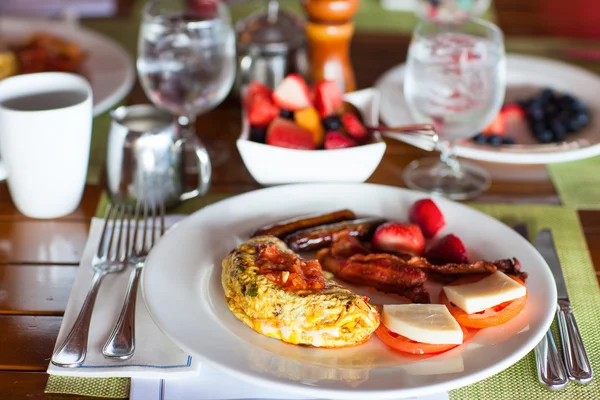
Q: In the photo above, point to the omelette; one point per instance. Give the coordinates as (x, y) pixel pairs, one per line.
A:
(288, 298)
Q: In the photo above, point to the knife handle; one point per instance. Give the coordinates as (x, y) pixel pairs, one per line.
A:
(550, 366)
(576, 358)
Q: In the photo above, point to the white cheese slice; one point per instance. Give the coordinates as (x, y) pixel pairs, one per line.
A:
(488, 292)
(425, 323)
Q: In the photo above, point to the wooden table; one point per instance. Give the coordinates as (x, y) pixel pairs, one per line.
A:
(38, 259)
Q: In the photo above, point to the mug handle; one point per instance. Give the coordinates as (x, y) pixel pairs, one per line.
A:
(3, 173)
(204, 166)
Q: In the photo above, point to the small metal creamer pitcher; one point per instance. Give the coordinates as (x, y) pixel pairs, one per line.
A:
(145, 157)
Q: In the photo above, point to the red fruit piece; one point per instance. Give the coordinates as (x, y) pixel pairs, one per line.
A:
(262, 111)
(254, 91)
(399, 238)
(292, 93)
(354, 127)
(428, 216)
(449, 249)
(285, 133)
(497, 126)
(512, 112)
(328, 98)
(336, 140)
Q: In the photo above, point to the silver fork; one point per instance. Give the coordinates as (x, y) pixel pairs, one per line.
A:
(72, 351)
(121, 342)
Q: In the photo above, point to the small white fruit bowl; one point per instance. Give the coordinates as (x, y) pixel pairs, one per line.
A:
(272, 165)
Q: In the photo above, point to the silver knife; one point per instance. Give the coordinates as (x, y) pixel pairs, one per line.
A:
(574, 354)
(550, 367)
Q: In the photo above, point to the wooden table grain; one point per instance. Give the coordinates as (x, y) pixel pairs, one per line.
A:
(39, 258)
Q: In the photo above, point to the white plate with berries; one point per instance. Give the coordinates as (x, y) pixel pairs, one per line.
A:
(551, 114)
(298, 133)
(189, 305)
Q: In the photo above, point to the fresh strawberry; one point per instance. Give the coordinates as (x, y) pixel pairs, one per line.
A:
(428, 216)
(262, 111)
(285, 133)
(292, 93)
(256, 90)
(328, 98)
(354, 127)
(497, 126)
(399, 238)
(512, 112)
(336, 140)
(449, 249)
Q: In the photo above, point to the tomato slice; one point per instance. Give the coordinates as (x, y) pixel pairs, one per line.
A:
(492, 316)
(406, 345)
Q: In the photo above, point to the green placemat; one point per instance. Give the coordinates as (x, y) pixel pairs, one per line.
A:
(116, 388)
(578, 183)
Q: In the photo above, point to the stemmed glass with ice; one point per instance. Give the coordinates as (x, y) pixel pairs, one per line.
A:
(455, 78)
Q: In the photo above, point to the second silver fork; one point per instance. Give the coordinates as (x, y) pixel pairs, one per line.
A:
(121, 342)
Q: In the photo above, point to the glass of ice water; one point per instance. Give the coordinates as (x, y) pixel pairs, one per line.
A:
(455, 78)
(186, 58)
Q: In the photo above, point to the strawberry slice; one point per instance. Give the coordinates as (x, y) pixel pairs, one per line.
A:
(449, 249)
(428, 216)
(336, 140)
(399, 238)
(292, 93)
(354, 127)
(255, 90)
(285, 133)
(512, 112)
(328, 98)
(262, 111)
(497, 126)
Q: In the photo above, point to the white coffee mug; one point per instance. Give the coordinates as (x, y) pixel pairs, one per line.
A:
(45, 133)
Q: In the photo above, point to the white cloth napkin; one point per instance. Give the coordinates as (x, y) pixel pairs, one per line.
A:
(212, 384)
(156, 356)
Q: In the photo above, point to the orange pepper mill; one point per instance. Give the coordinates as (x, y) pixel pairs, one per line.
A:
(329, 30)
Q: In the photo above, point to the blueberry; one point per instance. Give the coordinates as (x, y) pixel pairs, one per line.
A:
(577, 105)
(508, 141)
(563, 116)
(257, 134)
(480, 139)
(535, 111)
(537, 128)
(547, 95)
(559, 131)
(545, 136)
(495, 140)
(567, 101)
(287, 114)
(331, 123)
(578, 121)
(550, 109)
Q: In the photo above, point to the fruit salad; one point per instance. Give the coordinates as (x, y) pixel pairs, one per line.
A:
(550, 117)
(297, 116)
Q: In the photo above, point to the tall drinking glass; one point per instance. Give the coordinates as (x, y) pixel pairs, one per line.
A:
(186, 58)
(455, 78)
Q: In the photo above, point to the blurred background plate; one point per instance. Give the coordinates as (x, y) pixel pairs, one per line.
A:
(107, 66)
(526, 75)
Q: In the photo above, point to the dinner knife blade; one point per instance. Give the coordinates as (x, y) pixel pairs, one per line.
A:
(545, 245)
(574, 353)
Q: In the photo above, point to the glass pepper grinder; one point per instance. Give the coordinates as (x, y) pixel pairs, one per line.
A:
(271, 44)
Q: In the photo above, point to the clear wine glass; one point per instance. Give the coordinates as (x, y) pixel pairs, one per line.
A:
(186, 59)
(455, 78)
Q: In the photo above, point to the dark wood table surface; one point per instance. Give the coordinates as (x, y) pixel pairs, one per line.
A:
(38, 258)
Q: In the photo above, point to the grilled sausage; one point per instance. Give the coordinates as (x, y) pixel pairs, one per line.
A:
(283, 228)
(321, 236)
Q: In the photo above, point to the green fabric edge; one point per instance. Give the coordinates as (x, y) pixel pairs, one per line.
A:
(116, 388)
(577, 183)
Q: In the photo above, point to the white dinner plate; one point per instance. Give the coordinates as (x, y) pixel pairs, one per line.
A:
(182, 288)
(108, 66)
(525, 76)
